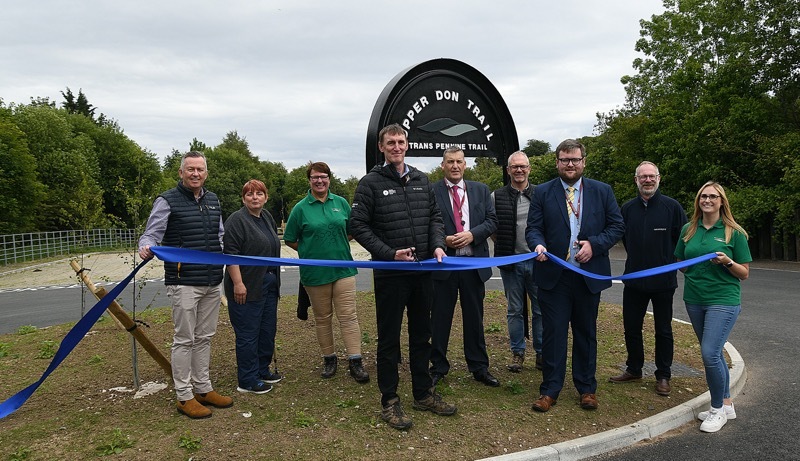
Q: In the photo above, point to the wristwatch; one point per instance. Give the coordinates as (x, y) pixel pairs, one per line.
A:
(729, 264)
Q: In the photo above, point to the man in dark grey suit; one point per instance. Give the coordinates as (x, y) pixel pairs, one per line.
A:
(469, 219)
(578, 220)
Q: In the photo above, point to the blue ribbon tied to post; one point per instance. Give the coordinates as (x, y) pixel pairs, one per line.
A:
(172, 254)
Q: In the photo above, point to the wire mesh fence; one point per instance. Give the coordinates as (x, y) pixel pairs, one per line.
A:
(18, 248)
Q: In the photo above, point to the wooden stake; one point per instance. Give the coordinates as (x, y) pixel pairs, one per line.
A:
(124, 320)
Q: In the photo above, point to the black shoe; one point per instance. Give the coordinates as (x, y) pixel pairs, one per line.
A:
(486, 378)
(272, 377)
(436, 377)
(330, 366)
(358, 372)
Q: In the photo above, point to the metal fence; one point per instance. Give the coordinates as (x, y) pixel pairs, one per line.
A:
(17, 248)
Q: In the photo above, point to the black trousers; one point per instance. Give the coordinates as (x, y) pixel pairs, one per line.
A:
(469, 286)
(394, 294)
(634, 307)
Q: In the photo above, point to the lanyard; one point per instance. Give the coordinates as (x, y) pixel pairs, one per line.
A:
(576, 212)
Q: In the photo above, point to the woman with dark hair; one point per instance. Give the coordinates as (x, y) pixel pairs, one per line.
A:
(317, 229)
(253, 291)
(712, 291)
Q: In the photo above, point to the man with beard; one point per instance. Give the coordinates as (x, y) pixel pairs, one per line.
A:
(653, 225)
(578, 219)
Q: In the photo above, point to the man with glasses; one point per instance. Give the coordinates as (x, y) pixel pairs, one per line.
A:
(653, 225)
(511, 203)
(576, 219)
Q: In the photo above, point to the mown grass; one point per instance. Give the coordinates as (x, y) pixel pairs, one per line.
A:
(77, 413)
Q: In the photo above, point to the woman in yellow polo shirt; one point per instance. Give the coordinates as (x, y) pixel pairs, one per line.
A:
(317, 229)
(712, 291)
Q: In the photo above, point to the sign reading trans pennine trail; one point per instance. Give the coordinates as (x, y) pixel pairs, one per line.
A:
(443, 103)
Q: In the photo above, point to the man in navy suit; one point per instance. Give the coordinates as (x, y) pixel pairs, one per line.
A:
(576, 219)
(469, 219)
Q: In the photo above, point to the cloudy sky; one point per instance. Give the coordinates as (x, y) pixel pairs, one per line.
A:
(299, 78)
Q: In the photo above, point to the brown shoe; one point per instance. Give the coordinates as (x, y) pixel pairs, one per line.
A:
(394, 415)
(589, 401)
(193, 409)
(517, 360)
(434, 403)
(625, 377)
(543, 403)
(214, 399)
(662, 387)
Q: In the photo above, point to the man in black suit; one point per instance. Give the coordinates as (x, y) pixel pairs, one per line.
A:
(469, 220)
(576, 219)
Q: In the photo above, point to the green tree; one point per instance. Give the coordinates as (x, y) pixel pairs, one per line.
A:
(79, 105)
(66, 166)
(487, 171)
(20, 191)
(715, 98)
(536, 148)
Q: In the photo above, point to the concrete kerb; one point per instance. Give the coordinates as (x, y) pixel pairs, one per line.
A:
(621, 437)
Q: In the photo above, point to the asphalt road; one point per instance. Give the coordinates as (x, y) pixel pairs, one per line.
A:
(766, 335)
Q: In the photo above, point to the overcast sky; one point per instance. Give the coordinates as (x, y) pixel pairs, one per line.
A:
(298, 79)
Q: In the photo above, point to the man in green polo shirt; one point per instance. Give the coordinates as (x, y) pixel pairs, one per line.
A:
(317, 229)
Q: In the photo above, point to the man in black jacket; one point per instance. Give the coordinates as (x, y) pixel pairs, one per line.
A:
(395, 217)
(653, 225)
(512, 202)
(189, 216)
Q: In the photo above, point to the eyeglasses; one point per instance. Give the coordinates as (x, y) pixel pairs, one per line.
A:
(711, 197)
(567, 161)
(518, 167)
(648, 177)
(321, 177)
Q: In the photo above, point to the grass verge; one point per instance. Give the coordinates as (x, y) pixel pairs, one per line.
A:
(87, 407)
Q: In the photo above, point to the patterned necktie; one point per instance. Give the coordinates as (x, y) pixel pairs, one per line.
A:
(457, 210)
(570, 199)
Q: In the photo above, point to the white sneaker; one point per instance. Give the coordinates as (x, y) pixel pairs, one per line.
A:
(714, 420)
(730, 412)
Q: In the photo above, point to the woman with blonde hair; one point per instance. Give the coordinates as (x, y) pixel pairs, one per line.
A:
(712, 291)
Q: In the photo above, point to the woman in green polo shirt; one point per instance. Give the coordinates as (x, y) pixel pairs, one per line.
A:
(712, 291)
(317, 229)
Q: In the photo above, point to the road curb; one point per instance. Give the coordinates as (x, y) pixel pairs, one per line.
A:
(621, 437)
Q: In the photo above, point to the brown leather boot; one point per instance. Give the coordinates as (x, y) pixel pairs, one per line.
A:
(193, 409)
(214, 399)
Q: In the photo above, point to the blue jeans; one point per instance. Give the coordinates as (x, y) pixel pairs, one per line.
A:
(712, 325)
(517, 279)
(255, 324)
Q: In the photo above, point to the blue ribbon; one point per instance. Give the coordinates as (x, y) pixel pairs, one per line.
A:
(449, 263)
(172, 254)
(68, 344)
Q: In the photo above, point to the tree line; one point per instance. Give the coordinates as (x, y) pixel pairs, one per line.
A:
(715, 97)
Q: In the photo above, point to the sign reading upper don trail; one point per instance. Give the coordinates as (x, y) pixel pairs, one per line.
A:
(443, 103)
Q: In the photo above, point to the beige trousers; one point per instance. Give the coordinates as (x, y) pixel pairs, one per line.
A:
(195, 311)
(339, 296)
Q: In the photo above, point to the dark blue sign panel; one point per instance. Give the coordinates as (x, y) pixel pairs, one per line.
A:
(443, 103)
